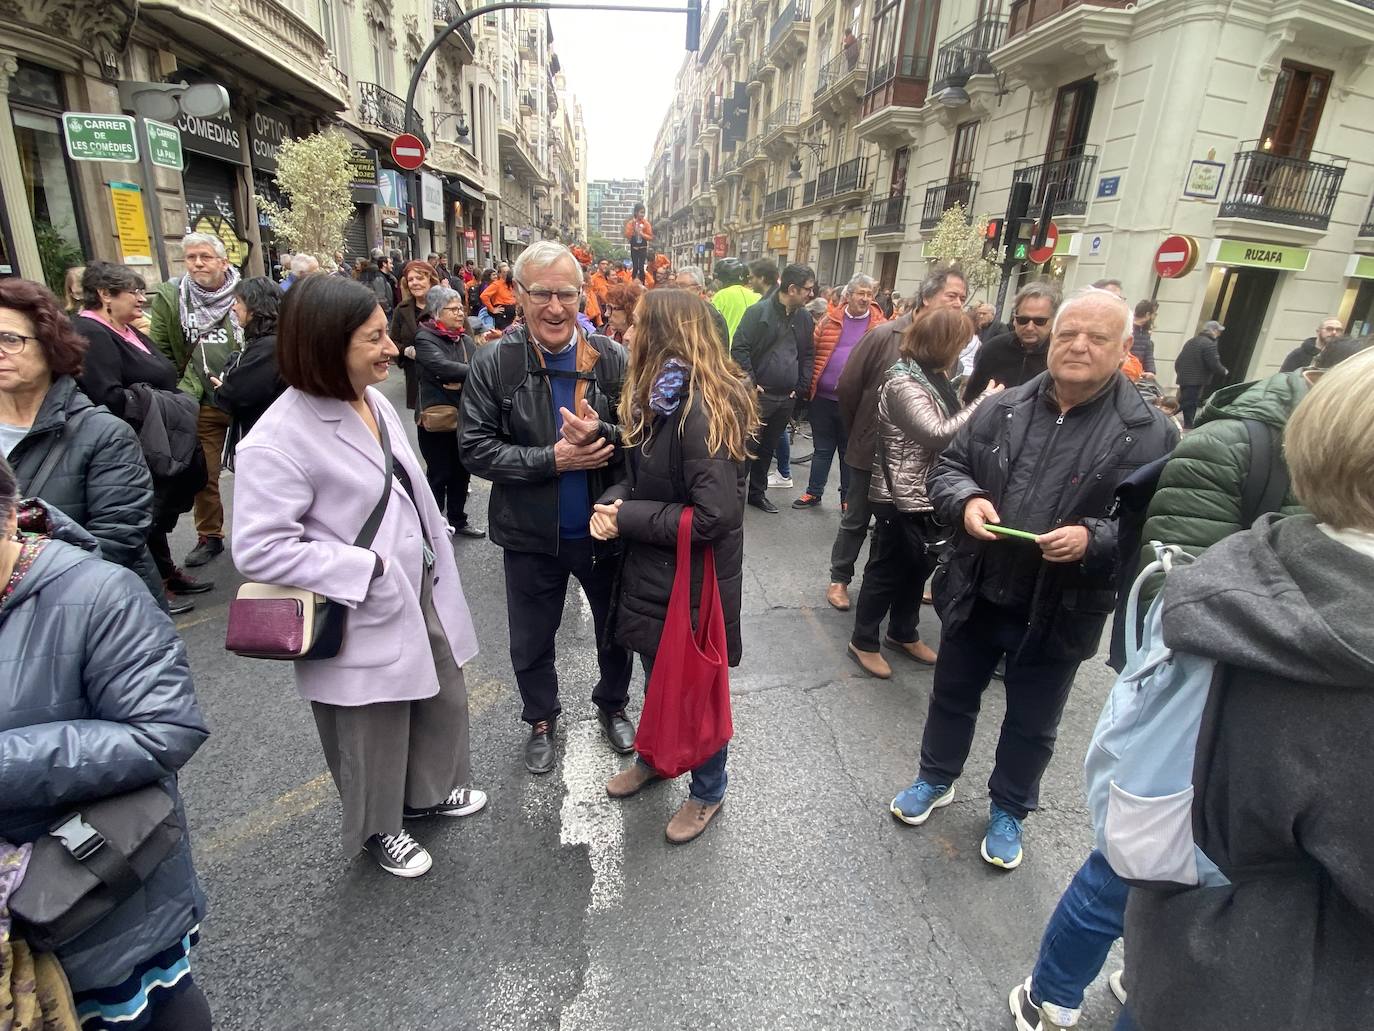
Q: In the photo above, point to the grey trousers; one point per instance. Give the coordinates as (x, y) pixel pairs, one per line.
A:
(388, 755)
(849, 539)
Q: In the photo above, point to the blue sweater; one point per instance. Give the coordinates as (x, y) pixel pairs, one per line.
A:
(574, 497)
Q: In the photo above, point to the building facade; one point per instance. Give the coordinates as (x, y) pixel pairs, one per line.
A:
(610, 203)
(838, 134)
(74, 187)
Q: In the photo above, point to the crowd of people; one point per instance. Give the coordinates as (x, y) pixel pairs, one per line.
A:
(1010, 476)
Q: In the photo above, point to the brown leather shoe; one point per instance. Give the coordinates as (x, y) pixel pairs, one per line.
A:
(631, 780)
(917, 650)
(838, 596)
(690, 820)
(872, 663)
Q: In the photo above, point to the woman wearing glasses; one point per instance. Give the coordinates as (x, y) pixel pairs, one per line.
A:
(120, 358)
(620, 309)
(443, 351)
(1018, 356)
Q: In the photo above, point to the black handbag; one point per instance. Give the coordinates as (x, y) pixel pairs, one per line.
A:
(91, 861)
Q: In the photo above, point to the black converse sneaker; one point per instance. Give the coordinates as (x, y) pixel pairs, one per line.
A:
(399, 854)
(460, 802)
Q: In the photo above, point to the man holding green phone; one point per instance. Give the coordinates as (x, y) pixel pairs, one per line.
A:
(1046, 457)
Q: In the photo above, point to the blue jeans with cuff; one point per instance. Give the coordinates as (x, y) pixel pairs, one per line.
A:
(828, 432)
(709, 779)
(1090, 917)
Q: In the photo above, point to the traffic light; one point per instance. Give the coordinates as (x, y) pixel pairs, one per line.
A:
(1018, 207)
(1042, 227)
(694, 25)
(992, 239)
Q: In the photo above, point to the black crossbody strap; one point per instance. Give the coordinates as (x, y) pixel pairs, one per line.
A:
(374, 521)
(55, 453)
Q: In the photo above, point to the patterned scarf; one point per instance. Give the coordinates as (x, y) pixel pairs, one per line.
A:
(202, 310)
(666, 393)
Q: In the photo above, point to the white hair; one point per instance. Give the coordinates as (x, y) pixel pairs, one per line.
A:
(204, 240)
(1099, 296)
(544, 254)
(861, 280)
(437, 298)
(692, 272)
(304, 264)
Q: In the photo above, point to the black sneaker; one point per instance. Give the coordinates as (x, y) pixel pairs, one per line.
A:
(206, 549)
(807, 500)
(181, 582)
(399, 854)
(178, 606)
(460, 802)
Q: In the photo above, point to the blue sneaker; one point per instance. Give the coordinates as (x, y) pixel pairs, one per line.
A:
(914, 805)
(1002, 842)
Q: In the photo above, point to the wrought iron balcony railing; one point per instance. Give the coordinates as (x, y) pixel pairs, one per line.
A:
(887, 216)
(1367, 229)
(795, 11)
(1071, 178)
(851, 60)
(943, 196)
(1288, 190)
(381, 107)
(445, 11)
(785, 115)
(965, 54)
(778, 200)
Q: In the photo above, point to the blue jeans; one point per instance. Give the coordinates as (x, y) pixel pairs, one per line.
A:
(828, 433)
(708, 779)
(1090, 916)
(783, 452)
(1125, 1022)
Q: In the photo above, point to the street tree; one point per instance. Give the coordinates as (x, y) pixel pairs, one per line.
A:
(608, 249)
(315, 175)
(957, 241)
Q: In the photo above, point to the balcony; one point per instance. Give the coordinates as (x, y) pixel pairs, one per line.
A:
(837, 181)
(380, 109)
(840, 82)
(789, 30)
(887, 217)
(778, 200)
(1286, 191)
(896, 90)
(1367, 229)
(1071, 178)
(808, 193)
(965, 54)
(754, 77)
(943, 196)
(752, 153)
(781, 126)
(1029, 14)
(1047, 41)
(461, 40)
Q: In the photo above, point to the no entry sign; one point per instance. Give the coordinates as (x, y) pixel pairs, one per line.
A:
(1177, 256)
(408, 151)
(1046, 252)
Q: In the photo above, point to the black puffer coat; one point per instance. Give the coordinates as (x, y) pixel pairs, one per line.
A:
(249, 387)
(441, 360)
(101, 483)
(663, 474)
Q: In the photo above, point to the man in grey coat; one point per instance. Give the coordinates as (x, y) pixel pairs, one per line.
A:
(1196, 366)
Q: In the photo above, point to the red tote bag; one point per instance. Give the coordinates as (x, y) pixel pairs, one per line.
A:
(686, 717)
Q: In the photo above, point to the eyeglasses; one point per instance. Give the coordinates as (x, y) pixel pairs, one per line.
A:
(1026, 320)
(13, 343)
(567, 296)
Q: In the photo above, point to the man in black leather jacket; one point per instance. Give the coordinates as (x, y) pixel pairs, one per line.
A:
(540, 421)
(1046, 458)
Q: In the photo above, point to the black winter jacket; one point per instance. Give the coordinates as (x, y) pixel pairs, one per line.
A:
(1002, 359)
(1089, 451)
(774, 348)
(112, 366)
(101, 483)
(1278, 802)
(253, 382)
(442, 360)
(96, 700)
(513, 448)
(663, 473)
(1301, 356)
(1199, 363)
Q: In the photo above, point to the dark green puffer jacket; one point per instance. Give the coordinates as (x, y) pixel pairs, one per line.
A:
(1198, 499)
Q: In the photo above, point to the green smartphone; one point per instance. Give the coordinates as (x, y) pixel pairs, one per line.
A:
(1007, 531)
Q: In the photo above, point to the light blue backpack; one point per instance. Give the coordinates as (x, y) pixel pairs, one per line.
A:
(1140, 764)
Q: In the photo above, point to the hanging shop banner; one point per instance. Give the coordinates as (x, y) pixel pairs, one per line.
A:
(269, 127)
(431, 198)
(1254, 254)
(735, 125)
(93, 137)
(220, 138)
(131, 224)
(486, 243)
(164, 145)
(470, 237)
(363, 164)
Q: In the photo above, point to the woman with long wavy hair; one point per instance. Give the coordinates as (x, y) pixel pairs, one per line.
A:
(689, 416)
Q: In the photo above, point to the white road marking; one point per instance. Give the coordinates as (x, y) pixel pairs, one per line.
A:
(590, 818)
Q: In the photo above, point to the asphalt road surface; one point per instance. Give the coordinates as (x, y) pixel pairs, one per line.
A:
(804, 906)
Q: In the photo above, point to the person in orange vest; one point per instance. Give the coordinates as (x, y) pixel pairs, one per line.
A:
(600, 283)
(500, 300)
(640, 233)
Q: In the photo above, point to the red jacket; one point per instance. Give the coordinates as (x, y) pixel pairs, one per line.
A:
(828, 335)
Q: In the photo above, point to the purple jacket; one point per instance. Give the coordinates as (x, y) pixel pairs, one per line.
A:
(305, 479)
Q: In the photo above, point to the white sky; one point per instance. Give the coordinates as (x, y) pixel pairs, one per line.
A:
(621, 68)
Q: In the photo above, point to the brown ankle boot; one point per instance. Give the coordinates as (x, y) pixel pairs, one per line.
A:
(631, 780)
(916, 650)
(838, 596)
(871, 663)
(690, 820)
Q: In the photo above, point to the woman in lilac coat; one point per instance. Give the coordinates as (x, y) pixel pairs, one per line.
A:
(392, 719)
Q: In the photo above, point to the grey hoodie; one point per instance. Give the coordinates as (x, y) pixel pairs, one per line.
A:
(1282, 786)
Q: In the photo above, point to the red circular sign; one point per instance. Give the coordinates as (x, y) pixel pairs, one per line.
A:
(408, 151)
(1177, 256)
(1046, 252)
